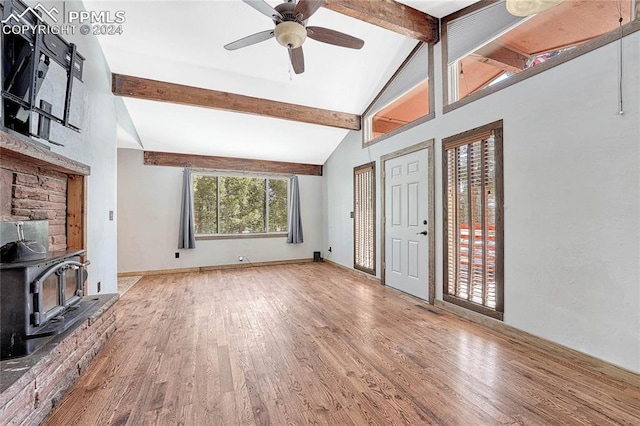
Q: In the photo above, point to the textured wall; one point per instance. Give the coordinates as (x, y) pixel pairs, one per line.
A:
(571, 201)
(95, 146)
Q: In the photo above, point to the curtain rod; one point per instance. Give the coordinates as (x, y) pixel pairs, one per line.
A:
(239, 172)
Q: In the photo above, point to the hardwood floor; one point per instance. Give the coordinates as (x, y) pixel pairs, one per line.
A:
(311, 343)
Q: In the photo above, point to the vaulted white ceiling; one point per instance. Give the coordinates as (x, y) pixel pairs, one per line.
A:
(182, 42)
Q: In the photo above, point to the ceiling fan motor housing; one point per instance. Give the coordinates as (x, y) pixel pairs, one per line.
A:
(290, 20)
(530, 7)
(290, 34)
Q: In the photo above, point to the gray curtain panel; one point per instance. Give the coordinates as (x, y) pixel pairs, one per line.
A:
(187, 234)
(294, 236)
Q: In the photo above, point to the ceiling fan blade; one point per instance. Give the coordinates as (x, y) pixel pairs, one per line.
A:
(297, 60)
(326, 35)
(307, 7)
(265, 9)
(249, 40)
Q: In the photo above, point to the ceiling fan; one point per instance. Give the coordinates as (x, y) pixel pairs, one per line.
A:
(291, 29)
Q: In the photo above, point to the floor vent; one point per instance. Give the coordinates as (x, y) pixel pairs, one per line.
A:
(424, 308)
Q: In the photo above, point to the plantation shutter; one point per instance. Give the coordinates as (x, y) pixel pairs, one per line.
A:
(364, 217)
(471, 221)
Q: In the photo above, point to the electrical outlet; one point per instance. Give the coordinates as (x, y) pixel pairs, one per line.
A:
(99, 286)
(177, 255)
(240, 258)
(110, 214)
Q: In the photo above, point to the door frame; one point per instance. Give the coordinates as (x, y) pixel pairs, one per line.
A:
(431, 211)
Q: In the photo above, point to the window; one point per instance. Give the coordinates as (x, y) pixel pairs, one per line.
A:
(364, 218)
(239, 205)
(473, 225)
(405, 101)
(408, 107)
(486, 45)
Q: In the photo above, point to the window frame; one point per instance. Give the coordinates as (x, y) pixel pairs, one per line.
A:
(452, 142)
(586, 47)
(368, 113)
(365, 168)
(265, 176)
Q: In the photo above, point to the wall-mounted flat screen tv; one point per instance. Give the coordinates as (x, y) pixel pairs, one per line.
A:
(41, 74)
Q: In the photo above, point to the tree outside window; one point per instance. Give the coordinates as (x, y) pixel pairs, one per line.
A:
(228, 205)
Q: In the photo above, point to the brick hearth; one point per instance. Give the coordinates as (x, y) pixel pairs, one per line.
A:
(32, 386)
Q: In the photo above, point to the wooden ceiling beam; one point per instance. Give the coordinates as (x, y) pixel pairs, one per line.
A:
(161, 91)
(390, 15)
(228, 163)
(386, 125)
(502, 57)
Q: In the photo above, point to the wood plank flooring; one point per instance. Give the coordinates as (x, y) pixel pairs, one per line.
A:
(313, 344)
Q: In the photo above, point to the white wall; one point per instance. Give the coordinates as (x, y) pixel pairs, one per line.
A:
(572, 199)
(149, 200)
(95, 146)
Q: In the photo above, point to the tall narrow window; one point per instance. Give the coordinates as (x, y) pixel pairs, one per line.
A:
(473, 228)
(364, 218)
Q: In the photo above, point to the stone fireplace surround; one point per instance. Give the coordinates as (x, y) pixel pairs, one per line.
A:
(32, 192)
(37, 184)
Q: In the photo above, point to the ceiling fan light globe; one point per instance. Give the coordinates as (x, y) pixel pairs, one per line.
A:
(290, 34)
(530, 7)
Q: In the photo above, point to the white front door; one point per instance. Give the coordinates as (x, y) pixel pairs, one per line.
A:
(406, 215)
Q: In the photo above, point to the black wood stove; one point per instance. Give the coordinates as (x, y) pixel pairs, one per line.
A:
(40, 298)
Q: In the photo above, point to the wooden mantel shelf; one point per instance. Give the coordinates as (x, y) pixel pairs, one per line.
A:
(14, 146)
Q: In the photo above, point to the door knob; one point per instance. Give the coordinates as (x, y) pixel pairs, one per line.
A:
(423, 233)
